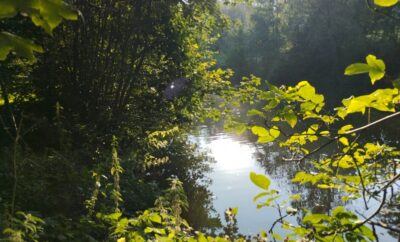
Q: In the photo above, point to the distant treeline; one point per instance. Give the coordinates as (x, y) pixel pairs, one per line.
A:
(288, 41)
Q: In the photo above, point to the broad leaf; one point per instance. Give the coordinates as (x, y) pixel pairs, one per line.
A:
(260, 180)
(290, 118)
(374, 67)
(385, 3)
(357, 68)
(255, 112)
(22, 47)
(344, 141)
(260, 131)
(377, 68)
(46, 14)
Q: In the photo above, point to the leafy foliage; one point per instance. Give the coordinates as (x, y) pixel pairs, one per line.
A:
(144, 71)
(43, 13)
(353, 170)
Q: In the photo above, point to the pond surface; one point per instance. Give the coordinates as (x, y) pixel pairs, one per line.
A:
(235, 157)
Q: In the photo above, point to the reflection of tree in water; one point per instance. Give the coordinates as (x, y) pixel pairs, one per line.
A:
(322, 201)
(190, 166)
(390, 216)
(231, 229)
(283, 171)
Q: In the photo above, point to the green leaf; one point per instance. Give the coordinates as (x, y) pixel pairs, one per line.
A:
(307, 91)
(260, 195)
(240, 128)
(374, 67)
(338, 210)
(255, 112)
(367, 232)
(149, 230)
(272, 104)
(265, 135)
(324, 133)
(295, 197)
(276, 236)
(260, 180)
(307, 106)
(326, 186)
(344, 141)
(345, 128)
(22, 47)
(46, 14)
(260, 131)
(155, 218)
(396, 83)
(315, 218)
(377, 68)
(385, 3)
(376, 75)
(275, 132)
(114, 216)
(235, 211)
(265, 139)
(357, 68)
(263, 234)
(7, 9)
(291, 118)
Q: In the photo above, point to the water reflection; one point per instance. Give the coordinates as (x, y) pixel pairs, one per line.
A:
(231, 155)
(235, 157)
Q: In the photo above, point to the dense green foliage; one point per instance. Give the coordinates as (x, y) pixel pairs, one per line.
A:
(95, 114)
(288, 41)
(105, 75)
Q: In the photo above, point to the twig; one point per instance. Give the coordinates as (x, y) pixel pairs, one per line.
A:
(367, 220)
(390, 182)
(362, 128)
(373, 123)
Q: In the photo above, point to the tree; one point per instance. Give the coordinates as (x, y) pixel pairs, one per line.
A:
(360, 168)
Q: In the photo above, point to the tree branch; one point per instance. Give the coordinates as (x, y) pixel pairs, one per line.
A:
(393, 115)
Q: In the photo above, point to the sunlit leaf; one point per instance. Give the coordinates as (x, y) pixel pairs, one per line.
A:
(277, 236)
(345, 128)
(326, 186)
(357, 68)
(374, 67)
(260, 131)
(255, 112)
(315, 218)
(260, 195)
(260, 180)
(291, 118)
(272, 104)
(295, 197)
(235, 211)
(367, 232)
(275, 132)
(385, 3)
(155, 218)
(344, 141)
(307, 91)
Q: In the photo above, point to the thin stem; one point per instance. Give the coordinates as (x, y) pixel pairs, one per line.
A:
(393, 115)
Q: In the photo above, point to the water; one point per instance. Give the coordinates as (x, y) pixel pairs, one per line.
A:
(235, 157)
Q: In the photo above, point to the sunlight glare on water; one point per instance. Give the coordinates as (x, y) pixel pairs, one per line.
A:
(230, 154)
